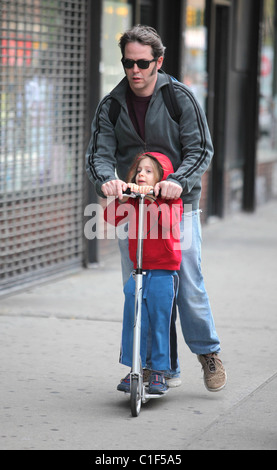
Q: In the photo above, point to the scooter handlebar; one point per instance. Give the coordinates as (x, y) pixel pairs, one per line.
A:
(133, 194)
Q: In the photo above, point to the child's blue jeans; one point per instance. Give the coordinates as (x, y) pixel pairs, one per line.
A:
(159, 293)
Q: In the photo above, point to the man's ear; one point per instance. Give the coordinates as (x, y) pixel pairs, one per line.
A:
(160, 62)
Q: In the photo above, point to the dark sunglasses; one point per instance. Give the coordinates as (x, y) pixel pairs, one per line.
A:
(141, 63)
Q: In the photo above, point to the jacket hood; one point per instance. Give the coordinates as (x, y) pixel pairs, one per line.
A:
(164, 162)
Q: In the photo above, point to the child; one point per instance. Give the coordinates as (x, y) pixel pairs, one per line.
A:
(161, 260)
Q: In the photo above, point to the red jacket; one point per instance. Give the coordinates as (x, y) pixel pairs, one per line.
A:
(161, 244)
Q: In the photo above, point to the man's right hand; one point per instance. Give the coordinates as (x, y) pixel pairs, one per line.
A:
(114, 188)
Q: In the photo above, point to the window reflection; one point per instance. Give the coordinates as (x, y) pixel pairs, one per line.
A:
(116, 18)
(194, 66)
(268, 88)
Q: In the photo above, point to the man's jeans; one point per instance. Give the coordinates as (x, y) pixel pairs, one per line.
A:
(193, 303)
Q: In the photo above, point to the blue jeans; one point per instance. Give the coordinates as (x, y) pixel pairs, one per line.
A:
(158, 315)
(195, 313)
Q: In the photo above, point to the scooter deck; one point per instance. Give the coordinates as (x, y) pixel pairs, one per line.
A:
(147, 396)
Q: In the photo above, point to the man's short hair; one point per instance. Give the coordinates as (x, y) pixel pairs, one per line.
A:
(145, 35)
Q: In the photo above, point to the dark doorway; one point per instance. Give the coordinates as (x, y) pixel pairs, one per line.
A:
(218, 67)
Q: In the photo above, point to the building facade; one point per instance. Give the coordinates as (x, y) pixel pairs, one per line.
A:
(43, 106)
(58, 58)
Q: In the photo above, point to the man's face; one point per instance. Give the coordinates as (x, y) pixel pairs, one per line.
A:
(141, 81)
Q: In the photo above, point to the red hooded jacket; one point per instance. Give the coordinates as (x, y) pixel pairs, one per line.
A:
(161, 244)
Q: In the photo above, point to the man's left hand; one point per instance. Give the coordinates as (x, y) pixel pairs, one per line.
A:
(169, 190)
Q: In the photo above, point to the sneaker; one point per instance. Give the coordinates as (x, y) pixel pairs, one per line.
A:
(157, 383)
(124, 385)
(215, 376)
(173, 381)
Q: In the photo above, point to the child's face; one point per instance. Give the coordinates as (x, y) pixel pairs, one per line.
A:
(146, 173)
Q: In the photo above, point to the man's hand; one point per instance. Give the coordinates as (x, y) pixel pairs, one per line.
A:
(169, 190)
(114, 188)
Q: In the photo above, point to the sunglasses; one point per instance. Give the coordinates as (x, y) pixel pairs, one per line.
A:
(141, 63)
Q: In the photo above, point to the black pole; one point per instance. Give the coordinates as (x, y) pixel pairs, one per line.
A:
(93, 93)
(249, 202)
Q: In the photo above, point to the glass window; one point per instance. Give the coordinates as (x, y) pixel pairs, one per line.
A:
(194, 54)
(116, 18)
(267, 145)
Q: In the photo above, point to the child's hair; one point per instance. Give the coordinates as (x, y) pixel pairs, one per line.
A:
(131, 177)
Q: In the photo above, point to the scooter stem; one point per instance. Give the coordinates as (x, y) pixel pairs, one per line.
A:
(136, 366)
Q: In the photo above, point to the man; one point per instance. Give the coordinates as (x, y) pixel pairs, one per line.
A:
(144, 124)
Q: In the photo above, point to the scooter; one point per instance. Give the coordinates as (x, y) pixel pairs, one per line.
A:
(138, 391)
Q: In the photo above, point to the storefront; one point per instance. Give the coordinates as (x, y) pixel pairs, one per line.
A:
(229, 59)
(43, 104)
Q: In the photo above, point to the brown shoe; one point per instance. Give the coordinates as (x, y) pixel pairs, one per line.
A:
(215, 376)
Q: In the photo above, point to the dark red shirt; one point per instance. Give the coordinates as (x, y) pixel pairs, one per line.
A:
(137, 108)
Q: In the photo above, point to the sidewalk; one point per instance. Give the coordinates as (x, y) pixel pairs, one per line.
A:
(59, 346)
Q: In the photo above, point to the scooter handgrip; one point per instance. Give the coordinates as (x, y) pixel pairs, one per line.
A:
(127, 192)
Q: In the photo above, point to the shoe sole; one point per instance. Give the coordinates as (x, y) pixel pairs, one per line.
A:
(124, 391)
(157, 392)
(216, 389)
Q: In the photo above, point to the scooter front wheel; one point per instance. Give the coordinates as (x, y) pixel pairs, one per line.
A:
(135, 396)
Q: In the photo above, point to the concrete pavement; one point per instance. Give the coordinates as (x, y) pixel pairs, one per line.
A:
(59, 345)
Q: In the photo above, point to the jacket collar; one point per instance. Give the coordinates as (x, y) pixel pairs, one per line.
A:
(119, 92)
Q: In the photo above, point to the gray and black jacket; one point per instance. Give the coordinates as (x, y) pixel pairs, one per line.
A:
(187, 144)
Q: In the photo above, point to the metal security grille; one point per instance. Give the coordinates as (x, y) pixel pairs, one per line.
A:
(42, 93)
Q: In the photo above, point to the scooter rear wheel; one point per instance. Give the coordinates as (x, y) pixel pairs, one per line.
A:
(135, 396)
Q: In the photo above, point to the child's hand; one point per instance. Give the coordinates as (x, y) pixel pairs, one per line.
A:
(133, 187)
(145, 189)
(139, 189)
